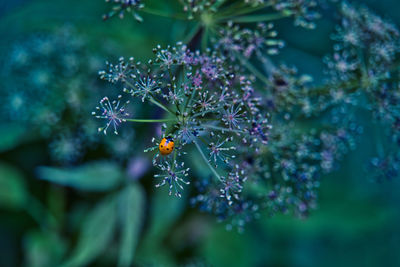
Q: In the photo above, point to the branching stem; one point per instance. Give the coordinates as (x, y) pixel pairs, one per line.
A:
(150, 120)
(207, 162)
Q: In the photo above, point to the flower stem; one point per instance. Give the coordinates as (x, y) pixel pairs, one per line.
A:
(205, 159)
(174, 160)
(192, 33)
(155, 102)
(249, 66)
(240, 10)
(204, 39)
(222, 129)
(256, 18)
(252, 69)
(150, 120)
(161, 14)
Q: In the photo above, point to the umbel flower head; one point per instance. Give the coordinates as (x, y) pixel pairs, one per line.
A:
(210, 107)
(50, 98)
(365, 65)
(113, 112)
(125, 6)
(218, 105)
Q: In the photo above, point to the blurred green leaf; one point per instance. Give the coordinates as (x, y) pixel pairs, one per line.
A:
(11, 135)
(94, 176)
(13, 192)
(43, 249)
(237, 249)
(164, 213)
(131, 203)
(97, 232)
(165, 210)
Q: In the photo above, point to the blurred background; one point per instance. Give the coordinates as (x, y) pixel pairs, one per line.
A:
(50, 53)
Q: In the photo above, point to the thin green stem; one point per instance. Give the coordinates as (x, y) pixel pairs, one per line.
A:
(161, 14)
(206, 112)
(204, 39)
(252, 69)
(222, 129)
(256, 18)
(171, 76)
(249, 66)
(192, 33)
(188, 102)
(174, 159)
(155, 102)
(218, 3)
(150, 120)
(235, 11)
(352, 85)
(228, 10)
(207, 162)
(152, 100)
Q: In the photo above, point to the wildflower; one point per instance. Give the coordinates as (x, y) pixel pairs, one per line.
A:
(232, 185)
(113, 112)
(259, 130)
(205, 103)
(236, 42)
(145, 87)
(173, 174)
(232, 117)
(56, 108)
(219, 152)
(122, 6)
(118, 72)
(385, 168)
(196, 115)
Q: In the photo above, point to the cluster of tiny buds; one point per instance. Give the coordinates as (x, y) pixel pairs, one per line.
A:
(113, 112)
(174, 174)
(212, 106)
(125, 6)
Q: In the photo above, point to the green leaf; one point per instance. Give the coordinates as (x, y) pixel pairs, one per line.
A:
(13, 193)
(11, 135)
(43, 249)
(165, 211)
(95, 176)
(97, 232)
(221, 255)
(131, 204)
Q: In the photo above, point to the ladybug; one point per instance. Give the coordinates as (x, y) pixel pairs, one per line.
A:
(166, 146)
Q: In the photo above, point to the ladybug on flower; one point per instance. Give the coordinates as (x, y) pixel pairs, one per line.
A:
(166, 146)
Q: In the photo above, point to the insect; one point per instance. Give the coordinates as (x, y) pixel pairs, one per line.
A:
(166, 146)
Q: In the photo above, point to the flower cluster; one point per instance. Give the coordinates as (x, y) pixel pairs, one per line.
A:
(197, 7)
(210, 108)
(220, 103)
(113, 112)
(211, 198)
(235, 42)
(207, 12)
(122, 6)
(48, 82)
(303, 11)
(364, 63)
(385, 168)
(287, 92)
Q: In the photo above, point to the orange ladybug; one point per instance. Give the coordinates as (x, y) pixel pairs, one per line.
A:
(166, 146)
